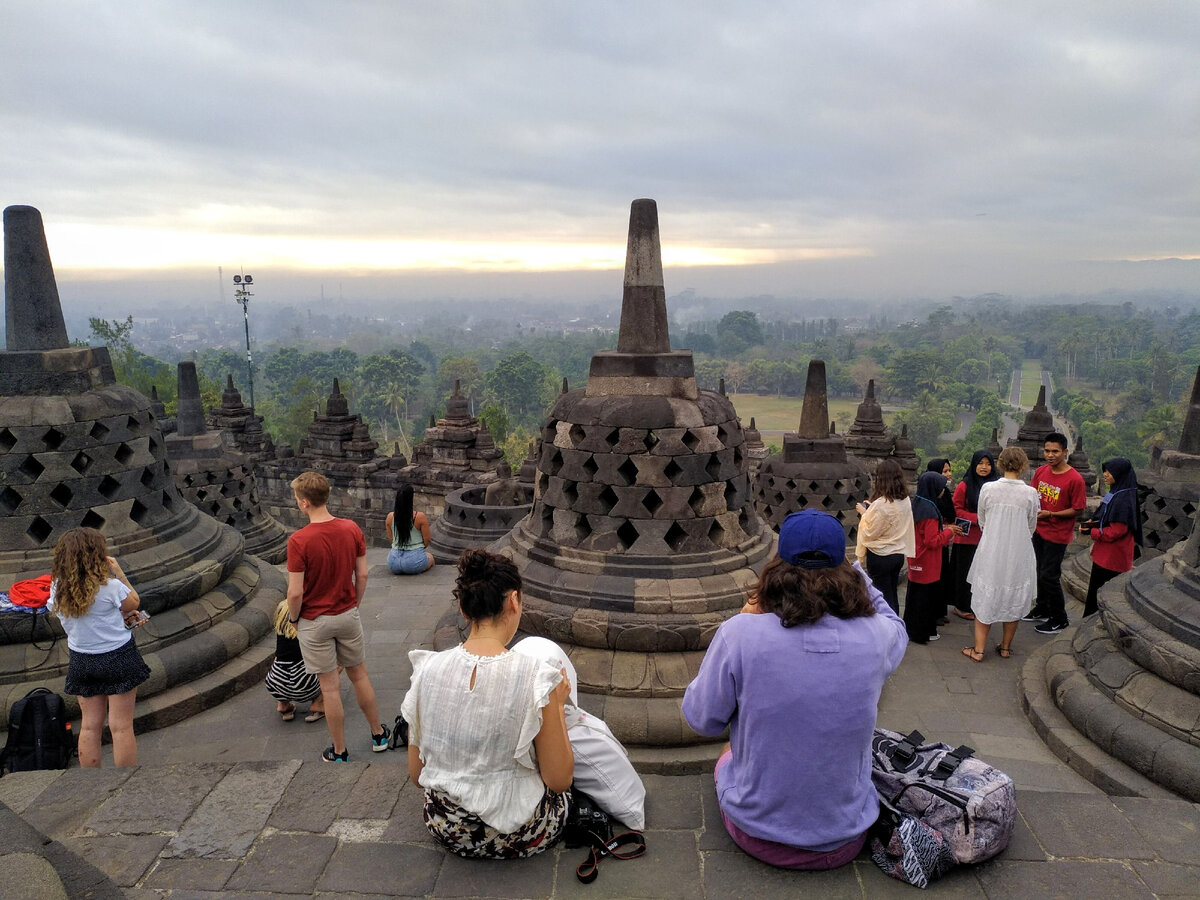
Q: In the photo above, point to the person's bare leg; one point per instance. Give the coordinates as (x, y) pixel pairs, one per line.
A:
(335, 716)
(364, 692)
(94, 710)
(120, 723)
(1010, 632)
(981, 636)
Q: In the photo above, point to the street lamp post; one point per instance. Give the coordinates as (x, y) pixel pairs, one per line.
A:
(242, 295)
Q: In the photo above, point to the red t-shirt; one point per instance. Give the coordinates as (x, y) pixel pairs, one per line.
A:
(1059, 492)
(926, 566)
(326, 552)
(1113, 547)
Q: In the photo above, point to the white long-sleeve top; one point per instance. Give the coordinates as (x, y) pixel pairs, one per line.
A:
(476, 744)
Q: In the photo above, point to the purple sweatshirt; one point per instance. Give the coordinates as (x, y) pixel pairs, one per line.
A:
(800, 704)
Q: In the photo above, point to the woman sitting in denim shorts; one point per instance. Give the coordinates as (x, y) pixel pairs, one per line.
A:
(408, 533)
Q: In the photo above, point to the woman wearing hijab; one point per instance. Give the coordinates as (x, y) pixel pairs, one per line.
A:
(966, 506)
(921, 610)
(943, 594)
(1115, 528)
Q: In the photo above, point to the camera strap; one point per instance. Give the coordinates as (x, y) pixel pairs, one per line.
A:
(629, 845)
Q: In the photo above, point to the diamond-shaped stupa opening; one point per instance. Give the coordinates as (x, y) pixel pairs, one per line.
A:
(31, 468)
(652, 501)
(62, 495)
(627, 534)
(676, 536)
(8, 440)
(690, 440)
(81, 463)
(628, 471)
(39, 530)
(53, 439)
(99, 431)
(9, 501)
(672, 470)
(590, 466)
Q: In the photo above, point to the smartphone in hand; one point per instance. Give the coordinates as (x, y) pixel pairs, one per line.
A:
(964, 524)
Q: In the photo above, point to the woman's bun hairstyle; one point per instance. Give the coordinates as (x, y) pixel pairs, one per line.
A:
(484, 580)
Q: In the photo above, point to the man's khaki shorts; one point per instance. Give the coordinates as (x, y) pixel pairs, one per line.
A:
(327, 642)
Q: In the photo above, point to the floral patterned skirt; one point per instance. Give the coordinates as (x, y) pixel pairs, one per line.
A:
(466, 834)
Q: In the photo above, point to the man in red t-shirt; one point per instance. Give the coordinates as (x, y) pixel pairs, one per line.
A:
(1064, 496)
(327, 576)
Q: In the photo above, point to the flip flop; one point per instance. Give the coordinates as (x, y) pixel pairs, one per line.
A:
(314, 717)
(1005, 652)
(970, 617)
(972, 654)
(287, 714)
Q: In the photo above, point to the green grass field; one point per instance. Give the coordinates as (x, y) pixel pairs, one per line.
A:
(783, 413)
(1031, 381)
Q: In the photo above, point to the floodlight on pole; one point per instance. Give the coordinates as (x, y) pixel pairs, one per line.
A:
(242, 295)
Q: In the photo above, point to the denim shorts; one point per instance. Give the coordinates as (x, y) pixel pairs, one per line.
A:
(407, 562)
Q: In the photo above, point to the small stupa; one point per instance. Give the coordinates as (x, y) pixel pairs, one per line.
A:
(813, 469)
(240, 426)
(1031, 436)
(868, 438)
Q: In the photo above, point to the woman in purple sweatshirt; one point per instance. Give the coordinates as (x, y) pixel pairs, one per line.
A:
(796, 679)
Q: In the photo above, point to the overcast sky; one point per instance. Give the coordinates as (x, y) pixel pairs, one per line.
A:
(896, 148)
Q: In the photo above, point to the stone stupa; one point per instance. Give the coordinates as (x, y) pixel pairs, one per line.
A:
(1031, 436)
(79, 449)
(217, 479)
(240, 427)
(643, 536)
(1171, 485)
(813, 469)
(1118, 698)
(868, 438)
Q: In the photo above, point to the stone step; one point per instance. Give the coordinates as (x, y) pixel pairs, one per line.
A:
(1138, 691)
(1115, 750)
(1153, 649)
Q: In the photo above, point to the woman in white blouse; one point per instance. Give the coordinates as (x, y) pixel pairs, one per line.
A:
(487, 734)
(886, 536)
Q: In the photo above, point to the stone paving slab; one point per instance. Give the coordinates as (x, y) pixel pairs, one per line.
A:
(235, 803)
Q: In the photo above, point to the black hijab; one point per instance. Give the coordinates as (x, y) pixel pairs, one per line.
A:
(975, 482)
(1122, 503)
(925, 505)
(945, 500)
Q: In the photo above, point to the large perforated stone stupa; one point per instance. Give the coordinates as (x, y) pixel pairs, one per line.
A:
(78, 449)
(1172, 484)
(813, 469)
(217, 479)
(643, 536)
(1118, 698)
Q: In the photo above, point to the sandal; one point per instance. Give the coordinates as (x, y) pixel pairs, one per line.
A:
(972, 654)
(1005, 652)
(314, 716)
(970, 617)
(287, 713)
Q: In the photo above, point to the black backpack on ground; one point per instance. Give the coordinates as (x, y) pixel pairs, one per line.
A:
(39, 733)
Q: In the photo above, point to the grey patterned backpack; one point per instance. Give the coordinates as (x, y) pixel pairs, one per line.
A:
(972, 804)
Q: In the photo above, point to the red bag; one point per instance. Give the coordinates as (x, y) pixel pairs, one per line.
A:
(31, 593)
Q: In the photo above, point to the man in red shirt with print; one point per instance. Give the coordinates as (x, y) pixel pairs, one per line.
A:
(1064, 497)
(327, 577)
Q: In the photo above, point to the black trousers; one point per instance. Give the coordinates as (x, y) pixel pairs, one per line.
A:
(1100, 576)
(921, 611)
(962, 555)
(885, 573)
(1050, 597)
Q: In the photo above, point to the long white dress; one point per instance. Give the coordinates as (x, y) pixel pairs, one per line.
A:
(1003, 574)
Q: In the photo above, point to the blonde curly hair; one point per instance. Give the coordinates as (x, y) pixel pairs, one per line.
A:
(80, 567)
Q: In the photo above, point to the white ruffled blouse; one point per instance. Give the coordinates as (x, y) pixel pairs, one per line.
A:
(477, 743)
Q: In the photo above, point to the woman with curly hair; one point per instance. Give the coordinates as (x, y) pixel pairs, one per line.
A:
(797, 684)
(97, 607)
(487, 729)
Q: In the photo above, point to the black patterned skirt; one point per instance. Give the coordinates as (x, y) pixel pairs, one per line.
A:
(115, 672)
(289, 683)
(466, 834)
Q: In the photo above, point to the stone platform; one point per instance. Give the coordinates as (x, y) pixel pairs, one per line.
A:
(235, 803)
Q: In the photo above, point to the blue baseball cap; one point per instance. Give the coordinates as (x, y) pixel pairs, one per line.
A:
(812, 539)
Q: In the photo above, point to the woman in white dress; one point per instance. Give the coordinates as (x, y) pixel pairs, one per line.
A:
(1003, 574)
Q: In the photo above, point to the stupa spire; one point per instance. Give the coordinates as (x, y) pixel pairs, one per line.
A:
(1189, 441)
(191, 410)
(644, 300)
(32, 311)
(814, 414)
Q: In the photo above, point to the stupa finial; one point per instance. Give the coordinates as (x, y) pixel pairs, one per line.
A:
(32, 311)
(644, 301)
(814, 414)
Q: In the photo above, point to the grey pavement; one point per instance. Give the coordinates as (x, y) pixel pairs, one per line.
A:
(235, 802)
